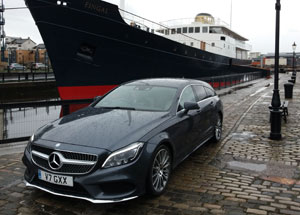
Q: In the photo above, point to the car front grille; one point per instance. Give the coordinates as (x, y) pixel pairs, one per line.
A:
(72, 163)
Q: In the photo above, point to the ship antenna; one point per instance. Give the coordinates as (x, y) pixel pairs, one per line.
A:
(122, 6)
(231, 15)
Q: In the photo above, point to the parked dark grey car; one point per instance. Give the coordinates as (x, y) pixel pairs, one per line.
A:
(126, 143)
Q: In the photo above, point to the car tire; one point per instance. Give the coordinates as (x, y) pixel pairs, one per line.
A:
(218, 130)
(159, 171)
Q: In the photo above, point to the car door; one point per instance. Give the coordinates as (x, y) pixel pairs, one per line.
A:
(212, 113)
(185, 127)
(204, 115)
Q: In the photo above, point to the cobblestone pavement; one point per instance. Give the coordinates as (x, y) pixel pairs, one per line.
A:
(246, 173)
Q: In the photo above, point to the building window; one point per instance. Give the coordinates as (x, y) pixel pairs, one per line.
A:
(191, 30)
(178, 30)
(204, 29)
(184, 30)
(197, 30)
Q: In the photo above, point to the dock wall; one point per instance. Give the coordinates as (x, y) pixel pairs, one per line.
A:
(28, 91)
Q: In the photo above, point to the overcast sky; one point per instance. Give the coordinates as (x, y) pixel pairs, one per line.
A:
(253, 19)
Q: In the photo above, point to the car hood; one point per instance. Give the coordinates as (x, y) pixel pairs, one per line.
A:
(108, 129)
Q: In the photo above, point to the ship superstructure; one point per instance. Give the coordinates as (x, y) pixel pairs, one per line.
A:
(209, 34)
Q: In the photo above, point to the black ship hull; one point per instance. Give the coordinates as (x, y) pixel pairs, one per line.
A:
(93, 50)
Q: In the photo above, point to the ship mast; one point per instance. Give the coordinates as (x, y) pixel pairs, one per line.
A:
(122, 7)
(231, 15)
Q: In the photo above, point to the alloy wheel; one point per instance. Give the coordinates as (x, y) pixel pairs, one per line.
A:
(161, 170)
(218, 129)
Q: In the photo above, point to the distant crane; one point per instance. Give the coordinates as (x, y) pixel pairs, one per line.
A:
(2, 32)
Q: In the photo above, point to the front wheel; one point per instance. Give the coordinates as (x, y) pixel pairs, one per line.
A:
(218, 130)
(160, 171)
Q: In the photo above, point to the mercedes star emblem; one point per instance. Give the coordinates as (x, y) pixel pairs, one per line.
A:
(54, 161)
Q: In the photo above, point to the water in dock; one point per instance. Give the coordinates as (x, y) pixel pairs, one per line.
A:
(22, 122)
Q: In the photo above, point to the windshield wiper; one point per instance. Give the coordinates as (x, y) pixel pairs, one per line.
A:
(119, 108)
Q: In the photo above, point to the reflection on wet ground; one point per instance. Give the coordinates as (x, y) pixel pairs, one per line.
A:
(247, 166)
(22, 122)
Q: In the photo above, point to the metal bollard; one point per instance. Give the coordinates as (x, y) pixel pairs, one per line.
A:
(288, 90)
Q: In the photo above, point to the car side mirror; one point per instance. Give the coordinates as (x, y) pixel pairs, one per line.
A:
(191, 106)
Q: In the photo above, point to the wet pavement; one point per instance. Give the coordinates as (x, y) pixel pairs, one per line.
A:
(246, 173)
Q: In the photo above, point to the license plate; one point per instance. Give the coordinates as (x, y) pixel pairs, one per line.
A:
(55, 179)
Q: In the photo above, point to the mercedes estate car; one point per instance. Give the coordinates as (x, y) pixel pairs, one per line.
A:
(126, 143)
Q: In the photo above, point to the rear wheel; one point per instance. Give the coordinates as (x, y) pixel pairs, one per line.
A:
(160, 171)
(218, 130)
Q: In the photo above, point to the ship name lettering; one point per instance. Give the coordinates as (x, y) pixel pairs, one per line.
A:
(95, 7)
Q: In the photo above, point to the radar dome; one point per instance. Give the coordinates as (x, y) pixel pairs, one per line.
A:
(205, 18)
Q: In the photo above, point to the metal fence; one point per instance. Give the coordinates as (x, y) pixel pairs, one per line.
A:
(219, 82)
(26, 76)
(19, 120)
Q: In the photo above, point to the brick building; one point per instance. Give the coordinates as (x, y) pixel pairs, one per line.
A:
(23, 51)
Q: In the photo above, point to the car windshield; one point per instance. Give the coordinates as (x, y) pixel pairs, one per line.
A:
(139, 97)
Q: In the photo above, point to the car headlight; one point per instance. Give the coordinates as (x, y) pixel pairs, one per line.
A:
(31, 139)
(123, 156)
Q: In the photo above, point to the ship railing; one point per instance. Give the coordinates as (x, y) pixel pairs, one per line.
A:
(19, 120)
(154, 27)
(243, 45)
(188, 21)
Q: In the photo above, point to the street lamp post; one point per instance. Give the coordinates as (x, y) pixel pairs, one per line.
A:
(294, 46)
(275, 109)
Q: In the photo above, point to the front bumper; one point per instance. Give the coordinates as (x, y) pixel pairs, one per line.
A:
(96, 201)
(116, 184)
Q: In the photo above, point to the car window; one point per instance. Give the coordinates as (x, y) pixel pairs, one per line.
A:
(209, 92)
(186, 96)
(140, 97)
(200, 92)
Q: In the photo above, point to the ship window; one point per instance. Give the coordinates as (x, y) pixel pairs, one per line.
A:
(191, 30)
(184, 30)
(213, 44)
(178, 30)
(197, 30)
(223, 38)
(173, 31)
(167, 32)
(192, 44)
(86, 51)
(58, 2)
(205, 29)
